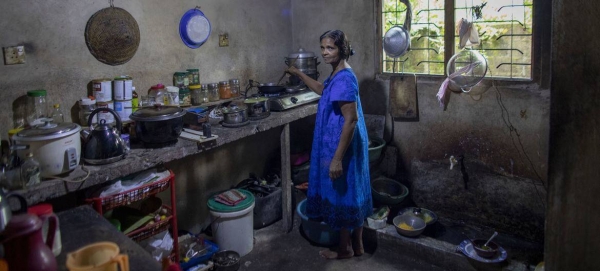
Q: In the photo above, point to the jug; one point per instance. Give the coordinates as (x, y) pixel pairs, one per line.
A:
(104, 144)
(23, 245)
(100, 256)
(5, 211)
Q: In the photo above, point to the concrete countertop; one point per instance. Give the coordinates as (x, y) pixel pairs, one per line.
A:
(140, 158)
(82, 226)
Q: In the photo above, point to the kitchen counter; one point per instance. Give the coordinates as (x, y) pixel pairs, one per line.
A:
(140, 159)
(82, 226)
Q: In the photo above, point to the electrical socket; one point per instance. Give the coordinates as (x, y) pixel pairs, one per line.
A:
(14, 55)
(223, 40)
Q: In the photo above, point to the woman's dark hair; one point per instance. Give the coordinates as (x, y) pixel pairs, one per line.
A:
(341, 41)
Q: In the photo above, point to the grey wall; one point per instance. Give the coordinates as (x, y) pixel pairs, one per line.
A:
(472, 126)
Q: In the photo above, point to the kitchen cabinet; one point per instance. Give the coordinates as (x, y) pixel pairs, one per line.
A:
(111, 202)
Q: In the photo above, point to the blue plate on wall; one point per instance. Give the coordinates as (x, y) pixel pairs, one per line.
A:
(194, 28)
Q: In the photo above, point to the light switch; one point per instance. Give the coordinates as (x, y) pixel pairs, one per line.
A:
(14, 55)
(223, 40)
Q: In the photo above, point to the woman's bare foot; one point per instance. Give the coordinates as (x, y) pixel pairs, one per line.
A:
(357, 244)
(332, 255)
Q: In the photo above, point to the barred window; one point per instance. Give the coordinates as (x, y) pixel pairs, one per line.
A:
(505, 29)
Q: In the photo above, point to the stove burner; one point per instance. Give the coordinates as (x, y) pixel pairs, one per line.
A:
(260, 116)
(234, 125)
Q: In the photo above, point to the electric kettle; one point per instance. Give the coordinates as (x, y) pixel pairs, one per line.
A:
(103, 144)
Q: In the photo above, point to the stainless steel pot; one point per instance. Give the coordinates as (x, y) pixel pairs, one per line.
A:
(304, 61)
(158, 124)
(234, 115)
(257, 107)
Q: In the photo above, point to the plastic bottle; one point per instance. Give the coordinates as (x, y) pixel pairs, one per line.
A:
(30, 171)
(45, 211)
(57, 115)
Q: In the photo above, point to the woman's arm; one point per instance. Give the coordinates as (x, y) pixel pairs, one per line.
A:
(313, 84)
(350, 114)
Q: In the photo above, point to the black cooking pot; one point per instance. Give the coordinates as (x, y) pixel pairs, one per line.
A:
(158, 124)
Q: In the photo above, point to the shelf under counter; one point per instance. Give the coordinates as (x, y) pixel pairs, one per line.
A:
(142, 158)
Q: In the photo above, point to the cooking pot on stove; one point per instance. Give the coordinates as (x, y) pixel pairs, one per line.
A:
(56, 146)
(304, 61)
(257, 107)
(104, 144)
(158, 124)
(234, 114)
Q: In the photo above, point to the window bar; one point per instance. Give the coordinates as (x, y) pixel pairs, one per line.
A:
(421, 49)
(513, 64)
(511, 6)
(513, 35)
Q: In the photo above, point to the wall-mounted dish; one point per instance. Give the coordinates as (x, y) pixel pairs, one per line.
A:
(194, 28)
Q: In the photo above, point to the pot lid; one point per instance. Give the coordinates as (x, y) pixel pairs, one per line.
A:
(301, 53)
(255, 100)
(157, 113)
(233, 108)
(48, 130)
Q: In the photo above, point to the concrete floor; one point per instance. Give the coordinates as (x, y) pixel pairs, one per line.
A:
(276, 250)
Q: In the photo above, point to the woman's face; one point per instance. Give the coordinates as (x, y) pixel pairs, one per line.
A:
(329, 52)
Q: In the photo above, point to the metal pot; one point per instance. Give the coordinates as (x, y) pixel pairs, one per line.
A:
(5, 210)
(257, 107)
(234, 115)
(56, 146)
(304, 61)
(158, 124)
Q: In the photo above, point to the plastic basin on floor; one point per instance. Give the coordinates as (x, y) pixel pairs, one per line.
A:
(315, 231)
(376, 144)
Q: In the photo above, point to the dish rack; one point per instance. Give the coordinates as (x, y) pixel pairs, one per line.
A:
(103, 204)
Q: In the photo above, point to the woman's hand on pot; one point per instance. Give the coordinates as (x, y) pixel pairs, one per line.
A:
(335, 169)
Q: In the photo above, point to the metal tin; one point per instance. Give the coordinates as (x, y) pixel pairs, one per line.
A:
(124, 109)
(102, 89)
(122, 88)
(106, 116)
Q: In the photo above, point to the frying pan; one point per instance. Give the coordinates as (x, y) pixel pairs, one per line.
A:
(270, 88)
(396, 41)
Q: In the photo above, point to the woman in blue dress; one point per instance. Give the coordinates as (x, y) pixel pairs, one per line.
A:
(339, 190)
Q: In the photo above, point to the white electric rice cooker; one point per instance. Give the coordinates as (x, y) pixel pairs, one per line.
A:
(56, 146)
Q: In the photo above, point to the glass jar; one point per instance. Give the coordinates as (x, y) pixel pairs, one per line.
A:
(181, 79)
(204, 90)
(184, 97)
(213, 92)
(172, 97)
(156, 95)
(37, 108)
(235, 87)
(194, 76)
(196, 93)
(86, 106)
(224, 90)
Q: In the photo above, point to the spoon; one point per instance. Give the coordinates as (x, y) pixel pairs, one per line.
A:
(488, 241)
(291, 64)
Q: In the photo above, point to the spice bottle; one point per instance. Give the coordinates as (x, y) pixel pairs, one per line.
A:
(213, 92)
(135, 100)
(224, 90)
(57, 115)
(30, 172)
(235, 87)
(196, 93)
(204, 90)
(86, 106)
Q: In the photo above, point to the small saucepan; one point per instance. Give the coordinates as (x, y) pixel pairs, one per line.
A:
(257, 107)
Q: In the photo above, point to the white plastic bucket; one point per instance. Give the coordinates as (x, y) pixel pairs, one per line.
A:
(234, 230)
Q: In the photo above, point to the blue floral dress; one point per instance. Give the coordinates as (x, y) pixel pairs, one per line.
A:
(346, 201)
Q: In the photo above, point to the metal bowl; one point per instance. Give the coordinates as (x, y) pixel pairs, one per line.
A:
(429, 216)
(226, 260)
(417, 225)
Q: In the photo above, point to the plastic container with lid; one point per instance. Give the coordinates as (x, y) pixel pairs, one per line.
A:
(194, 76)
(37, 107)
(235, 87)
(233, 226)
(185, 99)
(156, 94)
(213, 92)
(196, 94)
(45, 212)
(224, 90)
(173, 96)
